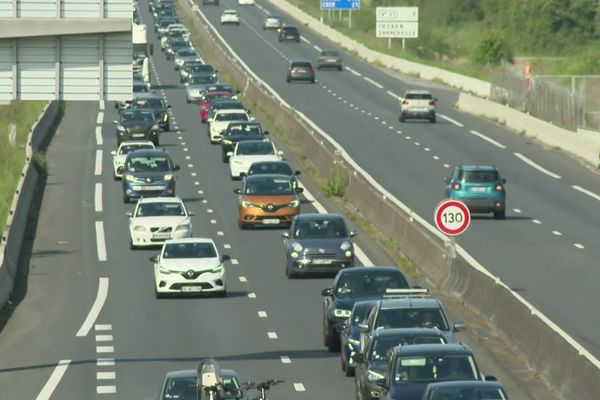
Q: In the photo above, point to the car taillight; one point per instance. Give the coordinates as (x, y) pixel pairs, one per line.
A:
(456, 186)
(499, 188)
(404, 102)
(431, 102)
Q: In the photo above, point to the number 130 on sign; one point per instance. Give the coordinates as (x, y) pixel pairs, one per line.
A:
(452, 217)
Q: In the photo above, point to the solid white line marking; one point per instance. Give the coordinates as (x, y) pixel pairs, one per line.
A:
(226, 246)
(516, 210)
(372, 82)
(234, 261)
(272, 335)
(99, 140)
(54, 380)
(556, 233)
(105, 362)
(299, 387)
(105, 349)
(536, 166)
(103, 327)
(98, 198)
(96, 307)
(252, 295)
(98, 165)
(100, 118)
(579, 246)
(220, 233)
(106, 389)
(487, 139)
(353, 71)
(243, 279)
(100, 241)
(536, 221)
(394, 95)
(104, 338)
(453, 121)
(262, 314)
(305, 40)
(317, 48)
(285, 360)
(585, 191)
(105, 375)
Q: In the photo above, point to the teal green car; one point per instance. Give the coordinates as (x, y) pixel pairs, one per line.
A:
(480, 187)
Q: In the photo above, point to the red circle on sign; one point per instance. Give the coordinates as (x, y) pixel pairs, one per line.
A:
(441, 225)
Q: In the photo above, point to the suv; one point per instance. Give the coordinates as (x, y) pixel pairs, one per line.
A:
(157, 105)
(300, 70)
(137, 124)
(479, 187)
(417, 104)
(289, 33)
(148, 173)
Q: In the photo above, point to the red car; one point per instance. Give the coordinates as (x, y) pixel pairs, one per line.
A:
(206, 103)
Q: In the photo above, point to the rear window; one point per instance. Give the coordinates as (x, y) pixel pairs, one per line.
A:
(478, 176)
(301, 64)
(418, 96)
(290, 29)
(330, 53)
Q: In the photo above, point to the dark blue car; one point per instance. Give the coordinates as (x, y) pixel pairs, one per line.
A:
(350, 335)
(148, 173)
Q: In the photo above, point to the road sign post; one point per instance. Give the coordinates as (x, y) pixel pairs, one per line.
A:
(397, 22)
(452, 218)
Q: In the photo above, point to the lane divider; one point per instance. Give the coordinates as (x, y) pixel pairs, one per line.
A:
(374, 83)
(98, 198)
(487, 139)
(537, 166)
(100, 241)
(585, 191)
(98, 164)
(452, 121)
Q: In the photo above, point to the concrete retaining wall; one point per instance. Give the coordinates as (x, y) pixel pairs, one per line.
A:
(559, 359)
(14, 231)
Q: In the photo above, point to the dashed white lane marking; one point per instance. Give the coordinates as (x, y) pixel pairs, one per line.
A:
(372, 82)
(220, 233)
(305, 40)
(105, 375)
(102, 105)
(537, 166)
(105, 349)
(394, 95)
(262, 314)
(272, 335)
(556, 233)
(96, 308)
(200, 191)
(446, 165)
(104, 338)
(536, 221)
(100, 118)
(105, 362)
(436, 158)
(54, 380)
(363, 111)
(285, 360)
(106, 389)
(193, 174)
(98, 164)
(210, 210)
(183, 144)
(407, 137)
(317, 48)
(391, 128)
(453, 121)
(517, 210)
(376, 117)
(226, 246)
(399, 132)
(213, 221)
(299, 387)
(585, 191)
(426, 149)
(243, 279)
(190, 165)
(417, 144)
(252, 295)
(100, 241)
(353, 71)
(185, 149)
(234, 261)
(99, 140)
(487, 139)
(188, 157)
(103, 327)
(196, 183)
(98, 198)
(579, 246)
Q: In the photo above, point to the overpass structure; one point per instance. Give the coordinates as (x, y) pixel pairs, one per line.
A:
(65, 49)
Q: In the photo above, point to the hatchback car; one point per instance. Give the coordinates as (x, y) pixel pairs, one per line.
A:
(289, 33)
(148, 173)
(272, 22)
(480, 187)
(230, 17)
(120, 155)
(248, 152)
(137, 124)
(154, 102)
(300, 70)
(318, 243)
(417, 104)
(330, 59)
(239, 132)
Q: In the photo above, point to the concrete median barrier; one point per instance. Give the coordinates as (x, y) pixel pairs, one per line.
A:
(564, 364)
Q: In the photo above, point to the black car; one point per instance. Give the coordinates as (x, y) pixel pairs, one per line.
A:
(318, 243)
(372, 363)
(289, 33)
(198, 69)
(162, 24)
(172, 46)
(465, 390)
(349, 286)
(238, 132)
(155, 103)
(300, 70)
(148, 173)
(137, 124)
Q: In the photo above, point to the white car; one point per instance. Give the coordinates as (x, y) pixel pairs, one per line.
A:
(120, 155)
(221, 119)
(417, 104)
(189, 266)
(248, 152)
(173, 29)
(157, 219)
(272, 22)
(230, 17)
(246, 2)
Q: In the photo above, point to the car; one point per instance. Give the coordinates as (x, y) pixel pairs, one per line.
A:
(120, 155)
(189, 266)
(176, 29)
(174, 44)
(213, 2)
(329, 59)
(222, 87)
(238, 132)
(417, 104)
(318, 243)
(272, 22)
(288, 32)
(161, 26)
(465, 390)
(267, 200)
(148, 173)
(480, 187)
(411, 368)
(248, 152)
(350, 336)
(138, 86)
(300, 70)
(137, 124)
(371, 364)
(207, 100)
(230, 17)
(185, 55)
(181, 385)
(156, 219)
(194, 69)
(272, 167)
(246, 2)
(196, 84)
(349, 286)
(173, 36)
(221, 103)
(221, 118)
(166, 11)
(154, 102)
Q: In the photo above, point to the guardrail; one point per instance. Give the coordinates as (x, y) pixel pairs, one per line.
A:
(557, 357)
(16, 223)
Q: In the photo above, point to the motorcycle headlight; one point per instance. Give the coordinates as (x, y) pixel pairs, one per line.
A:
(139, 228)
(247, 204)
(168, 177)
(373, 376)
(183, 227)
(297, 247)
(341, 313)
(294, 203)
(218, 270)
(130, 178)
(346, 245)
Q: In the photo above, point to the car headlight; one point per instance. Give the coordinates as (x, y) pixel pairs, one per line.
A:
(130, 178)
(183, 227)
(218, 270)
(296, 247)
(293, 254)
(294, 203)
(247, 204)
(373, 376)
(348, 253)
(341, 313)
(346, 245)
(165, 271)
(168, 177)
(155, 127)
(120, 128)
(139, 228)
(355, 342)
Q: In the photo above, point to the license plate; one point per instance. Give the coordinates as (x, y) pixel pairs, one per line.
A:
(270, 221)
(322, 261)
(291, 37)
(152, 188)
(331, 61)
(138, 135)
(300, 70)
(478, 189)
(193, 289)
(161, 236)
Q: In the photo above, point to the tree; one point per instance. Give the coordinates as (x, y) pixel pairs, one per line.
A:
(491, 49)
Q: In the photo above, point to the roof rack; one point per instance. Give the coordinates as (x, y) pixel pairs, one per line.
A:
(406, 293)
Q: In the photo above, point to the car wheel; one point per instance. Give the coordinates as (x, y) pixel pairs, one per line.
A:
(188, 100)
(312, 80)
(325, 335)
(333, 344)
(432, 119)
(401, 118)
(242, 226)
(158, 294)
(167, 127)
(349, 371)
(340, 68)
(116, 178)
(290, 274)
(224, 158)
(222, 294)
(131, 245)
(500, 214)
(297, 40)
(343, 364)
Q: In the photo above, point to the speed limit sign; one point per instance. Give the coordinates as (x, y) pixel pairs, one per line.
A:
(452, 217)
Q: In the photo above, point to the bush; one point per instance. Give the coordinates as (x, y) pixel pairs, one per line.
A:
(491, 49)
(337, 181)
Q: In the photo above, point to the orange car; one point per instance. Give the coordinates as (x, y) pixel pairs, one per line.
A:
(268, 200)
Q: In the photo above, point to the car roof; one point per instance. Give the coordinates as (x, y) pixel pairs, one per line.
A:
(478, 167)
(300, 61)
(160, 200)
(250, 178)
(406, 332)
(312, 216)
(270, 162)
(466, 384)
(409, 302)
(190, 240)
(417, 91)
(189, 373)
(149, 152)
(439, 348)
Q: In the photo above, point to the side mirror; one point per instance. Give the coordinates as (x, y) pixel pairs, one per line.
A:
(327, 292)
(176, 168)
(153, 259)
(358, 358)
(459, 326)
(266, 132)
(353, 233)
(490, 378)
(363, 327)
(297, 172)
(114, 152)
(299, 190)
(191, 213)
(225, 257)
(237, 191)
(129, 214)
(230, 154)
(286, 235)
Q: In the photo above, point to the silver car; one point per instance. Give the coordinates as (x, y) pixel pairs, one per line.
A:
(272, 22)
(196, 85)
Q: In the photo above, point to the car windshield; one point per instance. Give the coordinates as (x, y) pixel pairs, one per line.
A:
(289, 29)
(148, 164)
(230, 12)
(468, 393)
(281, 168)
(479, 176)
(180, 388)
(137, 115)
(231, 386)
(321, 228)
(330, 53)
(128, 148)
(186, 53)
(255, 148)
(179, 44)
(189, 250)
(166, 23)
(203, 68)
(382, 346)
(418, 96)
(231, 116)
(202, 80)
(140, 88)
(243, 129)
(364, 284)
(431, 368)
(148, 103)
(359, 312)
(269, 186)
(160, 210)
(411, 318)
